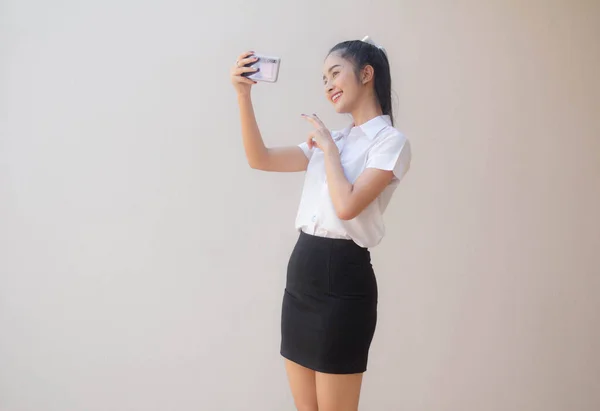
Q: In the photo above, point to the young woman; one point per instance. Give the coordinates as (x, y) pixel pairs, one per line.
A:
(330, 300)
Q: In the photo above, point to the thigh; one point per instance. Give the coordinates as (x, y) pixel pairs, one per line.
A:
(338, 392)
(303, 386)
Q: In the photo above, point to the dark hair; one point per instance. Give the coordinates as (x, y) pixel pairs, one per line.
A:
(364, 54)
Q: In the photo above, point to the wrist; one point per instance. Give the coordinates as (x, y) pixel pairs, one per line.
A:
(243, 95)
(331, 150)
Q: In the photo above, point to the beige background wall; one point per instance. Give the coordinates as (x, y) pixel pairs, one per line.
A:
(142, 262)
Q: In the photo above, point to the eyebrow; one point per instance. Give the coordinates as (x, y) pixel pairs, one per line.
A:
(331, 68)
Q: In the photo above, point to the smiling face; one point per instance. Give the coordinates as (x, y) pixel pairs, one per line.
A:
(357, 80)
(342, 87)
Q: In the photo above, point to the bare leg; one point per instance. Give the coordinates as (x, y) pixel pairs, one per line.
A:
(338, 392)
(303, 386)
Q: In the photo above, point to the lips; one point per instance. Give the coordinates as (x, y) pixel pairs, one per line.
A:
(335, 97)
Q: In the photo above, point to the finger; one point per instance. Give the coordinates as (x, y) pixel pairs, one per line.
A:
(311, 141)
(245, 55)
(246, 61)
(245, 80)
(311, 120)
(318, 120)
(241, 70)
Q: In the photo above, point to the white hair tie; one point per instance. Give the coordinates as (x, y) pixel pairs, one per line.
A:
(368, 40)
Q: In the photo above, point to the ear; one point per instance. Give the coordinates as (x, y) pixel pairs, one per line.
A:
(367, 74)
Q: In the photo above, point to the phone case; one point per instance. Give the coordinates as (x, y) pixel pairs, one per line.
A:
(268, 69)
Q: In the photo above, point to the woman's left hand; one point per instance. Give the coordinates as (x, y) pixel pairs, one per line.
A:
(321, 136)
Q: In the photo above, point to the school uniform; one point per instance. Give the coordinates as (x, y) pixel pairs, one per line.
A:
(329, 310)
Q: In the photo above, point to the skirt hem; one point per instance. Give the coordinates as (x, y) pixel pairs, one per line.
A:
(320, 369)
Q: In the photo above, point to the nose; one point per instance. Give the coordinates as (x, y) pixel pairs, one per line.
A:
(328, 87)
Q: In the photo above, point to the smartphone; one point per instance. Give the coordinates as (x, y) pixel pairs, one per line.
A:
(268, 68)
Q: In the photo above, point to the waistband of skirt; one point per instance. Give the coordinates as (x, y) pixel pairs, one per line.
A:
(328, 241)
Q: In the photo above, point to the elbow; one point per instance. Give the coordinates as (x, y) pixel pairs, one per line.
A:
(345, 214)
(258, 162)
(256, 165)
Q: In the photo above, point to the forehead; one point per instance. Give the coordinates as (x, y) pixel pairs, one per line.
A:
(332, 60)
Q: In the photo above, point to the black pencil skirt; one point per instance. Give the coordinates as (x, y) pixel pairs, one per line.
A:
(329, 308)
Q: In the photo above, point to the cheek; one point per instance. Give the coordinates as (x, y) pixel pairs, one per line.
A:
(343, 82)
(348, 84)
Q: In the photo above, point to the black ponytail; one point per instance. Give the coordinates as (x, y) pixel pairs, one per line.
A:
(365, 54)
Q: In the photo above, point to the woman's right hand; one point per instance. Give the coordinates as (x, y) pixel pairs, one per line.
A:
(243, 84)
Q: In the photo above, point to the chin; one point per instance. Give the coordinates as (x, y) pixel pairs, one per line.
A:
(340, 109)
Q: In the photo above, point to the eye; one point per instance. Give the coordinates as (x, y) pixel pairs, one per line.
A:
(335, 73)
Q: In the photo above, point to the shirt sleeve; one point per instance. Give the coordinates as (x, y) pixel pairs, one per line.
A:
(392, 153)
(308, 152)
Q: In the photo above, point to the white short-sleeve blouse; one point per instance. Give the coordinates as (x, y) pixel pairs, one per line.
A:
(374, 144)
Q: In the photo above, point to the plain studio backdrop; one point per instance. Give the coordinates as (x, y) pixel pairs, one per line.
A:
(143, 262)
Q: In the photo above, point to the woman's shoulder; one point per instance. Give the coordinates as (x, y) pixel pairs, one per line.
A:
(390, 135)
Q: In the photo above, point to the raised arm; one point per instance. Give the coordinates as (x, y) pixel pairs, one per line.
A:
(260, 157)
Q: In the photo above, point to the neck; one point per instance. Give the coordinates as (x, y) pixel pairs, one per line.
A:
(366, 111)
